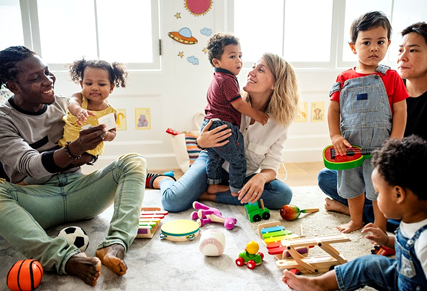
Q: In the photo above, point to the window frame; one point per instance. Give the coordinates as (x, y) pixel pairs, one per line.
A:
(31, 33)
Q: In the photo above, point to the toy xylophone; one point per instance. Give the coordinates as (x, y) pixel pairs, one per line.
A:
(149, 221)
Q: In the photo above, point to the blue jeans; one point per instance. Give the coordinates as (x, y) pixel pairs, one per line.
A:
(375, 271)
(179, 196)
(327, 180)
(25, 211)
(232, 152)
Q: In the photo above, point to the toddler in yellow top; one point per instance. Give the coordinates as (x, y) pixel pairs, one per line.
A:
(97, 79)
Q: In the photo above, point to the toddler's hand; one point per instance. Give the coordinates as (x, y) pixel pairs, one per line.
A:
(262, 117)
(83, 115)
(377, 235)
(340, 144)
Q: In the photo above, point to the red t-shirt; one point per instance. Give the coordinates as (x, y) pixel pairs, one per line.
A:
(223, 90)
(393, 84)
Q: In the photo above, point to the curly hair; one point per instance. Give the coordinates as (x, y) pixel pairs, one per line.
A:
(216, 44)
(116, 72)
(9, 57)
(284, 101)
(368, 21)
(403, 163)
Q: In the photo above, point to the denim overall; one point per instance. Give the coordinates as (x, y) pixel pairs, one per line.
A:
(404, 273)
(411, 276)
(366, 121)
(232, 152)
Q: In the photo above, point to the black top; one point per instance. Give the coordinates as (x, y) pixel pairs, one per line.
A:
(417, 116)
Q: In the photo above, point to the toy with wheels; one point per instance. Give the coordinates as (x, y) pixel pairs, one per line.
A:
(255, 211)
(251, 257)
(206, 214)
(25, 275)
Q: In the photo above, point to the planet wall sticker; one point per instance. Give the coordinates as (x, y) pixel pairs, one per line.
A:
(183, 36)
(198, 7)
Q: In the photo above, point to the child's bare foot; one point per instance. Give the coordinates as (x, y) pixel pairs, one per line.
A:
(350, 227)
(333, 205)
(213, 189)
(112, 257)
(299, 282)
(86, 268)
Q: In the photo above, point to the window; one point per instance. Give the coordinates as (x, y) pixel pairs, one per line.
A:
(312, 33)
(66, 30)
(11, 18)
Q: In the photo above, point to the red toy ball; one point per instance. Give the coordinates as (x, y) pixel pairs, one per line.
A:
(25, 275)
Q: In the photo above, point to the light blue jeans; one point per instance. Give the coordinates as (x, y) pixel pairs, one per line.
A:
(25, 211)
(179, 196)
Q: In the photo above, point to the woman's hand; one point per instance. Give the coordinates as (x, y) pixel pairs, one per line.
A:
(376, 234)
(213, 138)
(252, 190)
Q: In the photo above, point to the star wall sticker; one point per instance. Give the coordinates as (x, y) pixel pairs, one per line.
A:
(181, 54)
(204, 50)
(178, 15)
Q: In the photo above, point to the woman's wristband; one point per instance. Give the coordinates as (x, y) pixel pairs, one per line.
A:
(70, 155)
(197, 144)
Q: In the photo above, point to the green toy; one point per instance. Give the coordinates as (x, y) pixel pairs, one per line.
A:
(255, 212)
(250, 256)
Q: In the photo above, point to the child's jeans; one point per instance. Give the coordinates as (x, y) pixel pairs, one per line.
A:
(233, 152)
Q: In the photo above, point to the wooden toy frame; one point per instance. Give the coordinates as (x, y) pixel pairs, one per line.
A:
(303, 263)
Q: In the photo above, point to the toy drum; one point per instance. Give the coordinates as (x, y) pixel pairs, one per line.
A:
(180, 230)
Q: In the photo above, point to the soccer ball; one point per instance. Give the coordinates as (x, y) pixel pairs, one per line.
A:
(75, 236)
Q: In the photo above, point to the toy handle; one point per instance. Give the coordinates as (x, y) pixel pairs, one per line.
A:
(310, 210)
(215, 218)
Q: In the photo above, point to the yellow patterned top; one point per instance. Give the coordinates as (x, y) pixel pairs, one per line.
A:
(72, 129)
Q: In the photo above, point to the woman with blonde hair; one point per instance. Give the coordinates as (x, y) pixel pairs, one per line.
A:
(272, 88)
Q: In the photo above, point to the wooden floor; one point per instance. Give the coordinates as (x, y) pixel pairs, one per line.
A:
(298, 174)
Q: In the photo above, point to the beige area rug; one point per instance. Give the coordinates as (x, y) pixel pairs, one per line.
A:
(156, 264)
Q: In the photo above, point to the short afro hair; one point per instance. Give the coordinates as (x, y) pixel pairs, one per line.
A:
(217, 43)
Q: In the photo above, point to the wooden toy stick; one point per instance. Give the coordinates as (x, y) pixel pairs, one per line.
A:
(309, 210)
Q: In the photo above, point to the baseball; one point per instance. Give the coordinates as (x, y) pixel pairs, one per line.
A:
(212, 243)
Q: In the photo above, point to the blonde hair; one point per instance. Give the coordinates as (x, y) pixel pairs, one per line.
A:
(284, 101)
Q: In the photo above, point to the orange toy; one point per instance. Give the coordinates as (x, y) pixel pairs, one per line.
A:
(25, 275)
(292, 212)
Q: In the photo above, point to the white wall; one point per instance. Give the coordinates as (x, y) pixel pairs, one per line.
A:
(177, 92)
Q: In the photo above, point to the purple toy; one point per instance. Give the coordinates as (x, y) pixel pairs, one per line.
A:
(206, 214)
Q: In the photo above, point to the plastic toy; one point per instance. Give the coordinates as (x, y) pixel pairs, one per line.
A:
(292, 212)
(206, 214)
(180, 230)
(212, 243)
(383, 251)
(75, 235)
(255, 212)
(251, 257)
(313, 264)
(24, 275)
(149, 221)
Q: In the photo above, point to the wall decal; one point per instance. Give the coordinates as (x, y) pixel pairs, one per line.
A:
(317, 111)
(205, 50)
(193, 60)
(181, 54)
(183, 36)
(121, 119)
(302, 113)
(142, 118)
(198, 7)
(206, 31)
(178, 15)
